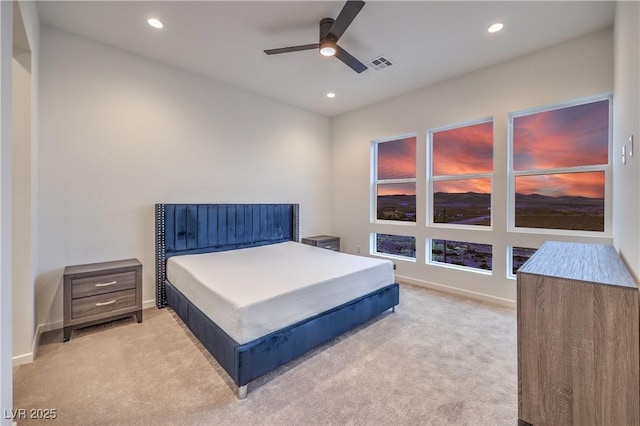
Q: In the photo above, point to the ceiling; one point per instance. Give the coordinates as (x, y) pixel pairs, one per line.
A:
(427, 41)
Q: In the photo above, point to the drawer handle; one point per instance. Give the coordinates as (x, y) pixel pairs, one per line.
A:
(110, 302)
(106, 284)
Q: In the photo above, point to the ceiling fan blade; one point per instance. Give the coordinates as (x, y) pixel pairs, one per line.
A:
(352, 62)
(344, 19)
(292, 49)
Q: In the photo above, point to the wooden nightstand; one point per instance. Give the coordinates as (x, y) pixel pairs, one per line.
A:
(101, 292)
(323, 241)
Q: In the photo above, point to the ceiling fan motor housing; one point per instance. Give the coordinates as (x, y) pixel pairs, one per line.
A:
(325, 26)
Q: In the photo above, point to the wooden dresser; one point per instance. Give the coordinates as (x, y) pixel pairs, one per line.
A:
(100, 292)
(323, 241)
(578, 338)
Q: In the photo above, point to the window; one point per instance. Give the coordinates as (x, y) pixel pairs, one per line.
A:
(519, 255)
(395, 245)
(460, 253)
(560, 163)
(461, 169)
(395, 179)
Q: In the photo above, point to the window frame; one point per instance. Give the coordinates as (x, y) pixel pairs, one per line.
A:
(374, 252)
(373, 204)
(513, 174)
(431, 180)
(430, 261)
(510, 274)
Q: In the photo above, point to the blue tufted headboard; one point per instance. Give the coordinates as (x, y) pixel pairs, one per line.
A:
(203, 228)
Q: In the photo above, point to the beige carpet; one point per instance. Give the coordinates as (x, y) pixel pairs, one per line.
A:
(438, 360)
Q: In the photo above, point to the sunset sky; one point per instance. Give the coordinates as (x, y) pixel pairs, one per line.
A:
(566, 137)
(482, 186)
(397, 188)
(589, 184)
(463, 150)
(397, 159)
(562, 138)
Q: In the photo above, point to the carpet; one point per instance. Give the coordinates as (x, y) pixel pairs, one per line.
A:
(440, 359)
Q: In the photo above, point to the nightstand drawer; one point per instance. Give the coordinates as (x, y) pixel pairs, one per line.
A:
(331, 245)
(100, 284)
(102, 303)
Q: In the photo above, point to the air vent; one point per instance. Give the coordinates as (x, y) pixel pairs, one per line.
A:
(379, 63)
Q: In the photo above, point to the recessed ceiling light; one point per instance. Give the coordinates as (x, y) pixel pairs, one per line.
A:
(495, 27)
(155, 23)
(331, 95)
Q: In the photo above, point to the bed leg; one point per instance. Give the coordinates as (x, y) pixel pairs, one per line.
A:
(393, 309)
(242, 392)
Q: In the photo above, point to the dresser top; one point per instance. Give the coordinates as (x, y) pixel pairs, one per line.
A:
(595, 263)
(102, 266)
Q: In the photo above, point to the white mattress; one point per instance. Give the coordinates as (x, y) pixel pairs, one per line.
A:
(254, 291)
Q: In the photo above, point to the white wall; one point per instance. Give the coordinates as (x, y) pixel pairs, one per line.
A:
(6, 384)
(32, 27)
(23, 295)
(26, 47)
(120, 133)
(23, 22)
(626, 178)
(575, 69)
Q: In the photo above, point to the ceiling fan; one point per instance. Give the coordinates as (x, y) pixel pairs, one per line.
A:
(330, 32)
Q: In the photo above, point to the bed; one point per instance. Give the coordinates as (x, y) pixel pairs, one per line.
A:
(253, 325)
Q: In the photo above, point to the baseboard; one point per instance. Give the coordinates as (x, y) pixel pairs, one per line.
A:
(457, 291)
(23, 359)
(55, 325)
(48, 326)
(30, 356)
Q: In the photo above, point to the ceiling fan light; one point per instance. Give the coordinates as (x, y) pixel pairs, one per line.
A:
(327, 48)
(327, 51)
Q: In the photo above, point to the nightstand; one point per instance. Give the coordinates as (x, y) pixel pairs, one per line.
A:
(100, 292)
(323, 241)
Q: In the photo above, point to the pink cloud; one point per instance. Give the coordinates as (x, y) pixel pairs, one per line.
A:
(587, 184)
(397, 159)
(463, 150)
(566, 137)
(481, 186)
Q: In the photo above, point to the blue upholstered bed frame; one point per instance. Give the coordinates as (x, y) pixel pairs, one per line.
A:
(203, 228)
